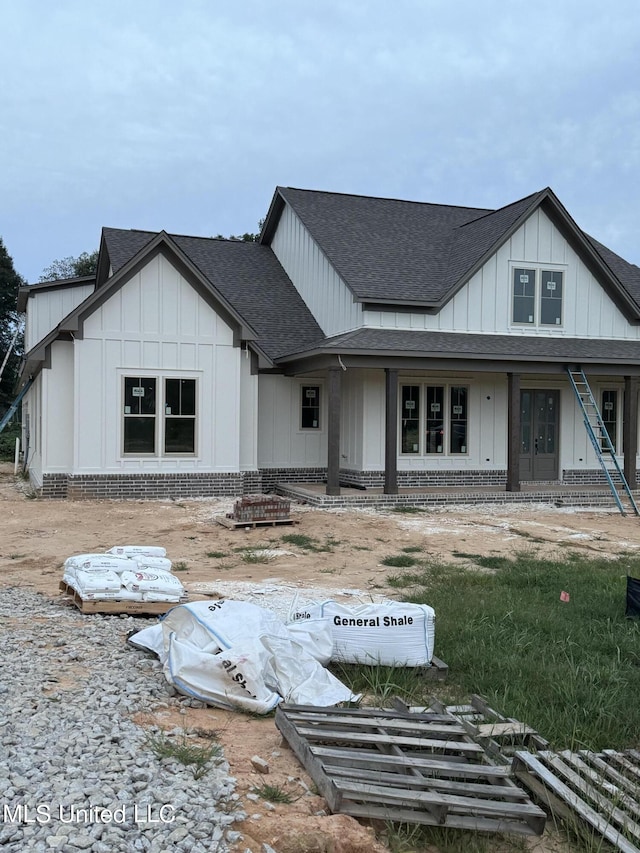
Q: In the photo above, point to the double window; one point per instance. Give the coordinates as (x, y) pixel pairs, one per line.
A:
(537, 296)
(434, 419)
(159, 416)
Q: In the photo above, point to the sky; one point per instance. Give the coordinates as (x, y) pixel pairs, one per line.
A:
(185, 115)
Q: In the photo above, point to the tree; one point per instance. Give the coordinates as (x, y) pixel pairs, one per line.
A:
(84, 264)
(10, 320)
(248, 237)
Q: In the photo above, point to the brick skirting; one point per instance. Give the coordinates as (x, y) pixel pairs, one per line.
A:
(149, 486)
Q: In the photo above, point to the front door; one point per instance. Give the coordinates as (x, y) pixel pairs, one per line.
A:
(539, 435)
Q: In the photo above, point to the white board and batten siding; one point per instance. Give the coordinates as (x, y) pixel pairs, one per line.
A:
(156, 324)
(282, 443)
(484, 304)
(323, 291)
(48, 307)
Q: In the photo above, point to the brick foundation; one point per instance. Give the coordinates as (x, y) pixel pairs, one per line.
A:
(149, 486)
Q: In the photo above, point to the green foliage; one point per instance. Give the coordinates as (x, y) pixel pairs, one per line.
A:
(85, 264)
(401, 561)
(272, 793)
(8, 442)
(10, 281)
(308, 543)
(571, 670)
(186, 752)
(407, 509)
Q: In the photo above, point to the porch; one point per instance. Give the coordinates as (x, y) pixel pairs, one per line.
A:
(597, 497)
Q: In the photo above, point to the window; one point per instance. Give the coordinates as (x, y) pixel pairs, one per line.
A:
(609, 412)
(310, 407)
(410, 419)
(437, 426)
(180, 416)
(139, 415)
(144, 431)
(537, 296)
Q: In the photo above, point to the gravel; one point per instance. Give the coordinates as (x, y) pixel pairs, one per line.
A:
(76, 773)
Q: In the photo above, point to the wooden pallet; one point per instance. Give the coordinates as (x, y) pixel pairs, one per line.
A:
(114, 605)
(499, 736)
(601, 789)
(263, 522)
(418, 768)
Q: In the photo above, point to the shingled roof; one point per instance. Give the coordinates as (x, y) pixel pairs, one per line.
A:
(389, 251)
(249, 278)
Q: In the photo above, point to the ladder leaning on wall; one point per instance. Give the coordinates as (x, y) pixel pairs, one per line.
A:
(14, 406)
(599, 435)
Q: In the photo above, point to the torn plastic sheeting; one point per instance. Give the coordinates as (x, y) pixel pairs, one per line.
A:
(234, 654)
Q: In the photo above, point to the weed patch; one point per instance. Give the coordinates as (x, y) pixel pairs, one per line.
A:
(195, 755)
(400, 561)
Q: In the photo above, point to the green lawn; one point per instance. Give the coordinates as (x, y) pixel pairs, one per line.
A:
(569, 669)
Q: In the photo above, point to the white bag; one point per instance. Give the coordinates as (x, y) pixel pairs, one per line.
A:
(91, 562)
(229, 679)
(392, 633)
(144, 561)
(153, 583)
(132, 550)
(98, 580)
(236, 654)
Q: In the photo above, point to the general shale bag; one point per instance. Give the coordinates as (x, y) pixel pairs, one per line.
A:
(388, 634)
(229, 679)
(134, 550)
(236, 654)
(155, 585)
(218, 625)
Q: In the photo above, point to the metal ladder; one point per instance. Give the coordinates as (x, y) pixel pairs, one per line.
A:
(14, 406)
(599, 435)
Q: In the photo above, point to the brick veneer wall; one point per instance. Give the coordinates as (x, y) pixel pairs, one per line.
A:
(150, 486)
(581, 477)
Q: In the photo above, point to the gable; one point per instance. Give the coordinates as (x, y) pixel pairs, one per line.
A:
(158, 303)
(484, 303)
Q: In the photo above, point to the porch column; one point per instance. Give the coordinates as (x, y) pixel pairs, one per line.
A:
(630, 429)
(333, 431)
(391, 432)
(513, 432)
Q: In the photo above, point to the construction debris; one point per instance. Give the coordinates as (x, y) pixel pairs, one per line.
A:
(414, 768)
(258, 510)
(602, 789)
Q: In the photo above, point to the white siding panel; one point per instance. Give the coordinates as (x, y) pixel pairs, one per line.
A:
(226, 414)
(150, 301)
(281, 442)
(248, 417)
(106, 354)
(47, 308)
(483, 305)
(373, 427)
(169, 359)
(320, 286)
(57, 409)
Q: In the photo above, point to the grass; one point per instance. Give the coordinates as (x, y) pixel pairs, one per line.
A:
(254, 557)
(273, 793)
(400, 561)
(180, 566)
(380, 683)
(570, 670)
(195, 755)
(309, 543)
(216, 554)
(407, 508)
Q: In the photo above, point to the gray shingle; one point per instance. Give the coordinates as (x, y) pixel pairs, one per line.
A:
(452, 344)
(248, 276)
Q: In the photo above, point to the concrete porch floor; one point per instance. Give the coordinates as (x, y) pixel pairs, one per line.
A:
(559, 495)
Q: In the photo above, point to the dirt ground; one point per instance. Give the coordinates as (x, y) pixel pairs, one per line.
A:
(36, 536)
